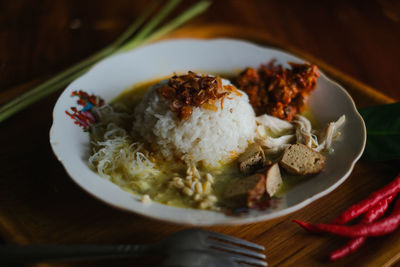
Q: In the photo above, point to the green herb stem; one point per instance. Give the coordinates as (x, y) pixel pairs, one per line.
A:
(39, 93)
(121, 44)
(57, 81)
(142, 35)
(187, 15)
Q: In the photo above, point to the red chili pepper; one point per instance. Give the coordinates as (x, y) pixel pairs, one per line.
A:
(350, 247)
(377, 211)
(382, 227)
(355, 210)
(372, 215)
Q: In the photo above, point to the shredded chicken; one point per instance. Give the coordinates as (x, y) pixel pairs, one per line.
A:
(331, 133)
(273, 125)
(298, 131)
(304, 133)
(276, 144)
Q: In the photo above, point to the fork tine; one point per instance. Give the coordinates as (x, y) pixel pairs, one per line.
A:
(242, 264)
(242, 258)
(236, 249)
(234, 240)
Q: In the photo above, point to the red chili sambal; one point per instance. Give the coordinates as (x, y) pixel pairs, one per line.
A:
(278, 91)
(192, 90)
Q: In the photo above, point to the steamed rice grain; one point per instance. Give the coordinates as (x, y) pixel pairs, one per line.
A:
(209, 137)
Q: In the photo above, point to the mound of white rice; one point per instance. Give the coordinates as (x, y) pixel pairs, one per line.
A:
(210, 137)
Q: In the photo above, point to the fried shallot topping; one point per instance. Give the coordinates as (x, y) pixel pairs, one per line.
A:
(278, 91)
(192, 90)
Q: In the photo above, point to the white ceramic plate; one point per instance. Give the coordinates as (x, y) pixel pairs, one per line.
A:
(117, 73)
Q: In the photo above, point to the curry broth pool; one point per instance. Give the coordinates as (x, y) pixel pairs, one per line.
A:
(157, 187)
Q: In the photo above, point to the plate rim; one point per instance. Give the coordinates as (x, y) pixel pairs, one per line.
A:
(240, 220)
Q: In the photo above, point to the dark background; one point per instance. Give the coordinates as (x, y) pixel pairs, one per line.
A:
(360, 38)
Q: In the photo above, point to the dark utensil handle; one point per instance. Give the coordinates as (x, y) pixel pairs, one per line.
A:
(31, 253)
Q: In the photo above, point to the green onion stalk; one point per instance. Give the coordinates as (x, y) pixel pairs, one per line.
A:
(122, 44)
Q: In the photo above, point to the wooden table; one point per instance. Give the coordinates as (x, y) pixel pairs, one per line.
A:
(40, 204)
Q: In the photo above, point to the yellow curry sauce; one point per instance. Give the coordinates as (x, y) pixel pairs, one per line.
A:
(157, 187)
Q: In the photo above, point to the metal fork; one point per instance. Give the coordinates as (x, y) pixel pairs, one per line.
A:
(198, 258)
(185, 242)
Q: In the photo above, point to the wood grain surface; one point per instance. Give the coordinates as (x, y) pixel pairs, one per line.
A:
(40, 204)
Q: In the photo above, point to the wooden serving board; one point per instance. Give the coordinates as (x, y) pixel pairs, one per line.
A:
(39, 203)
